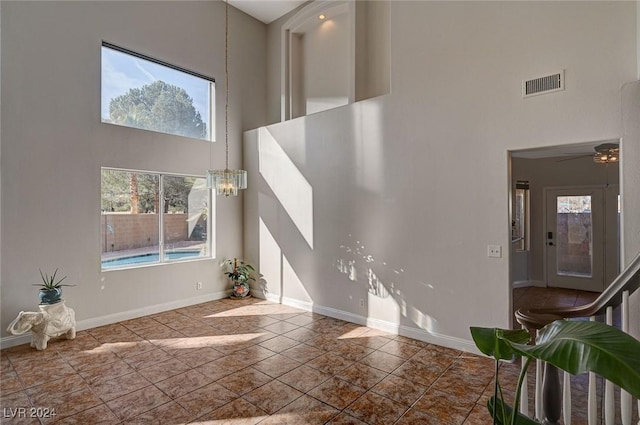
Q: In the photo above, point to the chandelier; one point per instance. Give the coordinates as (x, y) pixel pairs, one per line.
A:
(226, 182)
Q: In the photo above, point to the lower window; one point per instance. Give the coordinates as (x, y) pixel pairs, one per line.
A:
(152, 218)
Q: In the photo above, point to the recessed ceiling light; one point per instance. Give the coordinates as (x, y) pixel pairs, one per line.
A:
(322, 17)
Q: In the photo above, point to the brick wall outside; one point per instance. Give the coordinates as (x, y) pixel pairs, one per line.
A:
(129, 231)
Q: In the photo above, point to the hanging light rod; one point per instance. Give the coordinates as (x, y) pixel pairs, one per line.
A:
(226, 182)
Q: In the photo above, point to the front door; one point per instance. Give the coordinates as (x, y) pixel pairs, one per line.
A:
(575, 238)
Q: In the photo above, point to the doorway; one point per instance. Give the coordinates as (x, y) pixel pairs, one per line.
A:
(549, 173)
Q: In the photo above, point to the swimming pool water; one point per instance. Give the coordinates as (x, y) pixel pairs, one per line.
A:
(148, 258)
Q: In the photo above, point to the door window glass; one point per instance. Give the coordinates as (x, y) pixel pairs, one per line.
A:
(574, 241)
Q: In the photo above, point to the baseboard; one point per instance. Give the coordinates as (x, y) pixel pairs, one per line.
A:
(528, 283)
(94, 322)
(383, 325)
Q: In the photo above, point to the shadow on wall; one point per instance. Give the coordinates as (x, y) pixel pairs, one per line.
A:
(385, 298)
(288, 259)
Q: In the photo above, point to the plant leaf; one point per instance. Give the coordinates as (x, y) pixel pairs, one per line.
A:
(495, 342)
(580, 346)
(500, 420)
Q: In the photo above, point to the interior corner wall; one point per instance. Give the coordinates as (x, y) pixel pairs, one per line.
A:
(274, 65)
(54, 144)
(409, 189)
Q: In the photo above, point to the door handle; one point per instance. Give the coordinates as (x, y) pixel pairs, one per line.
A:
(550, 243)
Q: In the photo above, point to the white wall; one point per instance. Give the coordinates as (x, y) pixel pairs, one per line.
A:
(413, 186)
(54, 145)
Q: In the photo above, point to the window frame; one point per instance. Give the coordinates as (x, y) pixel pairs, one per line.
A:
(162, 258)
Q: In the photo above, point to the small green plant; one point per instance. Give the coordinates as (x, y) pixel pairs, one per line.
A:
(573, 346)
(240, 271)
(51, 282)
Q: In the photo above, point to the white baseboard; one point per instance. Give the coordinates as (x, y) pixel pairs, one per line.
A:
(383, 325)
(94, 322)
(529, 283)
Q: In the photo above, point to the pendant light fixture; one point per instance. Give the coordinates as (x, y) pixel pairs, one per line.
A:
(226, 182)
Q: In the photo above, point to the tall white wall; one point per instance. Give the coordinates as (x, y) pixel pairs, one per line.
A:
(407, 190)
(54, 145)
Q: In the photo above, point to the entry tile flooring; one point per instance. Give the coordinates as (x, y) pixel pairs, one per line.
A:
(244, 362)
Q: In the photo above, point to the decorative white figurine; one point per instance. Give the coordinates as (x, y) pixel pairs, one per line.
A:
(51, 321)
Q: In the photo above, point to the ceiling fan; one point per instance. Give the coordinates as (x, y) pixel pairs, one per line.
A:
(605, 153)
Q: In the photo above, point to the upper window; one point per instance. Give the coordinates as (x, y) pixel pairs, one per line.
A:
(141, 92)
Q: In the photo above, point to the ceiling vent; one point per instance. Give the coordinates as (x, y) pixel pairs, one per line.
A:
(543, 85)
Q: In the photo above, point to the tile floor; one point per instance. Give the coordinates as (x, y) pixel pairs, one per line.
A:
(244, 362)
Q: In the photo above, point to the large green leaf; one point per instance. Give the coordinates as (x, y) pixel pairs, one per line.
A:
(579, 347)
(503, 407)
(496, 342)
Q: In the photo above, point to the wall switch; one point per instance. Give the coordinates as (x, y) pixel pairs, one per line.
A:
(494, 251)
(198, 285)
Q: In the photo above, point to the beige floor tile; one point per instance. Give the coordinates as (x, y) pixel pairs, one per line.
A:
(236, 412)
(245, 380)
(337, 393)
(273, 396)
(304, 378)
(375, 409)
(243, 362)
(399, 389)
(183, 383)
(137, 402)
(119, 386)
(276, 365)
(206, 399)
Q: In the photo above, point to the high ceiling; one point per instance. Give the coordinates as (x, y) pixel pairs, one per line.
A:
(266, 10)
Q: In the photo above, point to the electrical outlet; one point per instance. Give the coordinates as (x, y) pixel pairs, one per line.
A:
(494, 251)
(361, 303)
(198, 285)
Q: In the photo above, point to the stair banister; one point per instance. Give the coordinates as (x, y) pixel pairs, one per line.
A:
(617, 294)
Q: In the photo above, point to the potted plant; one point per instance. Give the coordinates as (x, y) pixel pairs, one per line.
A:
(573, 346)
(50, 288)
(240, 275)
